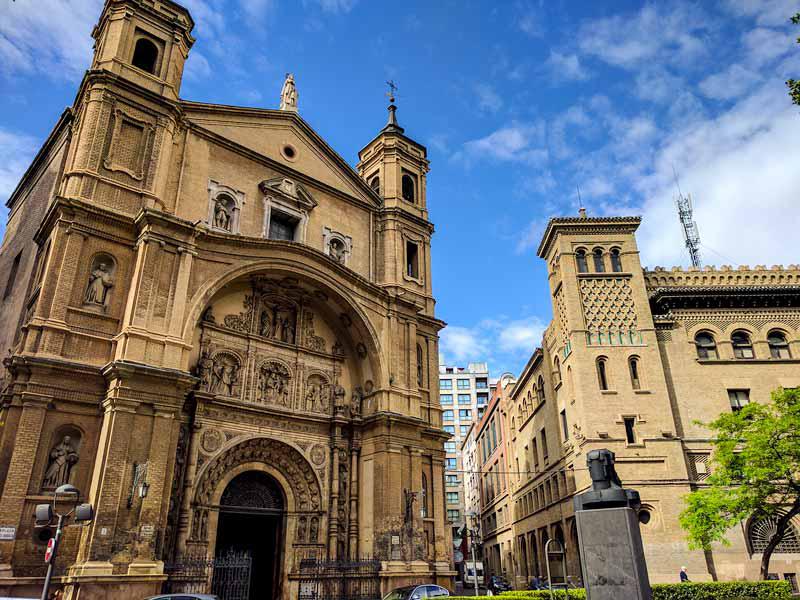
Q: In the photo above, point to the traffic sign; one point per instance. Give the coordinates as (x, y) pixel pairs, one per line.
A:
(51, 544)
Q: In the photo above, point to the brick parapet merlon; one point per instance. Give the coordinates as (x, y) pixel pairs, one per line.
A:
(724, 276)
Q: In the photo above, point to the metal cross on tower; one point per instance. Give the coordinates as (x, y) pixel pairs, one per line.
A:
(392, 90)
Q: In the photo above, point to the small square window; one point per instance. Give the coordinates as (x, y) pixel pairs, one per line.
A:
(738, 399)
(282, 226)
(446, 399)
(445, 384)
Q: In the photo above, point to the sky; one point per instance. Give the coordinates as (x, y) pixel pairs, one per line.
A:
(520, 104)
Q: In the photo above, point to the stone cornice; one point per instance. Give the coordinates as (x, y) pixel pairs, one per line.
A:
(585, 225)
(665, 299)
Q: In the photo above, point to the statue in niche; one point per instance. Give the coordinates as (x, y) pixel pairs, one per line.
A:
(410, 497)
(277, 321)
(337, 250)
(338, 397)
(337, 349)
(313, 533)
(317, 394)
(62, 458)
(289, 94)
(302, 526)
(273, 384)
(100, 281)
(265, 324)
(355, 400)
(287, 330)
(222, 217)
(224, 375)
(205, 368)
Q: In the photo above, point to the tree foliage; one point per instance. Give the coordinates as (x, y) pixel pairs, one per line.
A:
(794, 85)
(755, 472)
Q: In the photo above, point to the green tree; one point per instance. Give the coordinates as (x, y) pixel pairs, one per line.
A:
(794, 85)
(755, 472)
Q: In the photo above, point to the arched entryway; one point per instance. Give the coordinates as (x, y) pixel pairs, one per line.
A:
(252, 522)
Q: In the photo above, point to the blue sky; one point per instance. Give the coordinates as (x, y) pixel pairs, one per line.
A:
(518, 103)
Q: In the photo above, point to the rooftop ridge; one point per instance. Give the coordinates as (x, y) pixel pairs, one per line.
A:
(726, 275)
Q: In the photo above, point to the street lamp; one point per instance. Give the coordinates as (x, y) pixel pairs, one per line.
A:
(473, 515)
(44, 513)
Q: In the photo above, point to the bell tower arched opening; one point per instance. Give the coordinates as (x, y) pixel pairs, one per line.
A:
(251, 522)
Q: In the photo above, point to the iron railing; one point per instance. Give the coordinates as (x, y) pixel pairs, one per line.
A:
(226, 576)
(340, 579)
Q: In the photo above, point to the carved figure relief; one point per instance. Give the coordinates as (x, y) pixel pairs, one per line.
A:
(355, 400)
(338, 397)
(313, 533)
(224, 204)
(318, 455)
(312, 340)
(211, 440)
(205, 368)
(318, 393)
(302, 528)
(277, 320)
(61, 459)
(337, 349)
(222, 213)
(101, 280)
(224, 374)
(361, 350)
(273, 384)
(337, 245)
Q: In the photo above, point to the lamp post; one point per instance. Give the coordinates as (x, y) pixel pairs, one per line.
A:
(83, 513)
(473, 515)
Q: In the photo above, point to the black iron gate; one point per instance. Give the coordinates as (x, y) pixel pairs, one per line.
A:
(340, 579)
(226, 576)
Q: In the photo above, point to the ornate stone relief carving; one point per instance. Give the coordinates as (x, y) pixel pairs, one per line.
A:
(224, 379)
(311, 340)
(212, 440)
(318, 455)
(274, 383)
(317, 394)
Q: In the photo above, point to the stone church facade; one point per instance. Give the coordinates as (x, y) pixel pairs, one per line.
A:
(635, 360)
(220, 332)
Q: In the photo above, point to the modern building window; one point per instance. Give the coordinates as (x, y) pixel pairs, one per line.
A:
(540, 397)
(145, 55)
(453, 514)
(483, 399)
(633, 367)
(706, 345)
(451, 479)
(282, 226)
(420, 367)
(580, 259)
(599, 264)
(564, 425)
(450, 464)
(452, 497)
(409, 188)
(630, 435)
(464, 399)
(12, 275)
(778, 346)
(742, 345)
(449, 446)
(481, 383)
(602, 373)
(463, 384)
(450, 429)
(446, 399)
(447, 415)
(463, 430)
(616, 261)
(412, 259)
(738, 399)
(445, 384)
(464, 413)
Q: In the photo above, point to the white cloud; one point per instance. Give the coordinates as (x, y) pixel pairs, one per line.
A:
(256, 10)
(518, 142)
(504, 343)
(566, 67)
(766, 12)
(733, 82)
(488, 99)
(740, 168)
(197, 66)
(51, 37)
(333, 6)
(668, 33)
(530, 23)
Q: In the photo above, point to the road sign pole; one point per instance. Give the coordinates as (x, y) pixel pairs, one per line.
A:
(51, 560)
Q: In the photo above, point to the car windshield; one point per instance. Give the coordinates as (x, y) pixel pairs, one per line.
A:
(400, 593)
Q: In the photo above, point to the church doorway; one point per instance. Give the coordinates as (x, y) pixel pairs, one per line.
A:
(251, 522)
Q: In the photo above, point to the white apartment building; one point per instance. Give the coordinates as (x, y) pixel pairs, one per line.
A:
(464, 395)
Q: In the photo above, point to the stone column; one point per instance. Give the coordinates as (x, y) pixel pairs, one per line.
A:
(353, 530)
(151, 515)
(106, 492)
(18, 479)
(333, 509)
(441, 551)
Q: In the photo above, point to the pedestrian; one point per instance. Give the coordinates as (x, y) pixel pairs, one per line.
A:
(684, 575)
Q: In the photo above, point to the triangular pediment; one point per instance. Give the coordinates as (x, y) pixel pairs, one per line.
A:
(290, 190)
(269, 132)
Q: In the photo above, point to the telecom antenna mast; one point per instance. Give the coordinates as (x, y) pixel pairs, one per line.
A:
(690, 233)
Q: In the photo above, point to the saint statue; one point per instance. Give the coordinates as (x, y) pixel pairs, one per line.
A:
(266, 324)
(62, 459)
(222, 219)
(289, 94)
(100, 281)
(337, 250)
(205, 368)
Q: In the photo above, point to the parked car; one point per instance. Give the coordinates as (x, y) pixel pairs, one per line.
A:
(184, 597)
(497, 584)
(417, 592)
